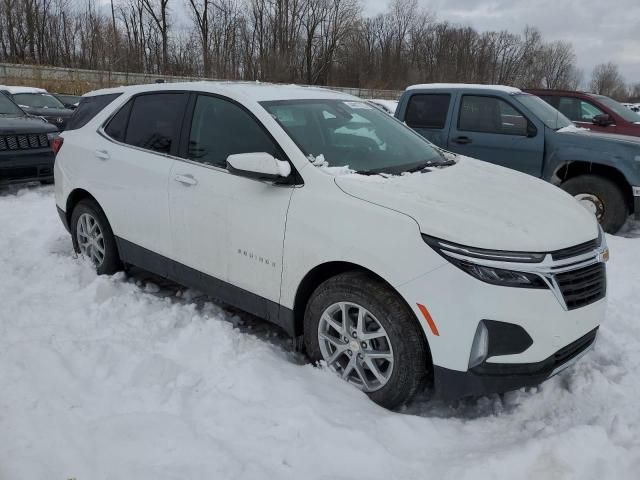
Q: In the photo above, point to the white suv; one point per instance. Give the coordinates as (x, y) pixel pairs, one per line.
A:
(399, 264)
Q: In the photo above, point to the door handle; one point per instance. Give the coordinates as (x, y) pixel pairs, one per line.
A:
(102, 154)
(185, 180)
(461, 140)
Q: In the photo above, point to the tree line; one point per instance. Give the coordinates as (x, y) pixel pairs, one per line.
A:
(319, 42)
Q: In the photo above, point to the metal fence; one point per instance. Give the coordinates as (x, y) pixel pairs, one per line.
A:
(78, 81)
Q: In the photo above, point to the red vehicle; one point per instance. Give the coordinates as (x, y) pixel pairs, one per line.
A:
(595, 112)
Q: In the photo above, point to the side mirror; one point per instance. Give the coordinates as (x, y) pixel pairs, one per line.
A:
(603, 120)
(532, 131)
(259, 165)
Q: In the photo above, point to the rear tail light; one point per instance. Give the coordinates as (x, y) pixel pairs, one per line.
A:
(56, 144)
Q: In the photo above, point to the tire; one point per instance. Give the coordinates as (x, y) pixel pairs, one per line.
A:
(613, 209)
(409, 351)
(110, 260)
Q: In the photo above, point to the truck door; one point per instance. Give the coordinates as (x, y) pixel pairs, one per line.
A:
(492, 129)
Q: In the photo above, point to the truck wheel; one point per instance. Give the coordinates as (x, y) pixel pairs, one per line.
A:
(92, 237)
(602, 197)
(367, 335)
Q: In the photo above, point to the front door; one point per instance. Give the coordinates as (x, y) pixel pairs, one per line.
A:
(228, 227)
(491, 129)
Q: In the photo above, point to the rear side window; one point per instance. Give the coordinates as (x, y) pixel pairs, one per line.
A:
(154, 121)
(117, 127)
(88, 108)
(428, 110)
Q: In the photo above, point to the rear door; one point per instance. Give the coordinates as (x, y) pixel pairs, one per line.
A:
(492, 129)
(133, 159)
(429, 114)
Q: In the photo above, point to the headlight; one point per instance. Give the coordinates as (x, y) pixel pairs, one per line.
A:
(465, 259)
(52, 135)
(498, 276)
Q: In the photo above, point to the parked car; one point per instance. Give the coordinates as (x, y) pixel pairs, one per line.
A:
(505, 126)
(25, 152)
(593, 112)
(38, 102)
(393, 279)
(69, 101)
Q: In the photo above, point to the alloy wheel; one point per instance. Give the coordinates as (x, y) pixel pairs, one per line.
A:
(90, 239)
(356, 346)
(592, 203)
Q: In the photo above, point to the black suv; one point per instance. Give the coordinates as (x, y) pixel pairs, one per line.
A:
(25, 150)
(40, 103)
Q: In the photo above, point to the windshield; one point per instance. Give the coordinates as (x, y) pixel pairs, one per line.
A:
(618, 108)
(7, 107)
(37, 100)
(353, 134)
(551, 117)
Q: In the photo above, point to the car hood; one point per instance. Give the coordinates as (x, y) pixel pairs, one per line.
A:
(481, 205)
(591, 137)
(16, 125)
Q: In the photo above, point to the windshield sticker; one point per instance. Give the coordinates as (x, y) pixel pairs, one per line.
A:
(358, 105)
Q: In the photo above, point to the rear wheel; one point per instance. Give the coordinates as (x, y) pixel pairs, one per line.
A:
(92, 237)
(368, 336)
(602, 197)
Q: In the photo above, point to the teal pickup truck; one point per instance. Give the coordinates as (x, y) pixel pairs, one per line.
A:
(508, 127)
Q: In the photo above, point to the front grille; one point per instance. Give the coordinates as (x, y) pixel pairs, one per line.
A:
(575, 250)
(23, 142)
(583, 286)
(565, 354)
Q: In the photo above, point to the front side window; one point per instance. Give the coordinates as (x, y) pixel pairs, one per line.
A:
(37, 100)
(154, 121)
(577, 110)
(353, 134)
(490, 115)
(220, 128)
(428, 110)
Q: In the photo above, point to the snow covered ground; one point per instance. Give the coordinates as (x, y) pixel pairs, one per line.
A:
(122, 378)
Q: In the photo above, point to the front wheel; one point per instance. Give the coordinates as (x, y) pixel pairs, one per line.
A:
(92, 237)
(368, 336)
(602, 197)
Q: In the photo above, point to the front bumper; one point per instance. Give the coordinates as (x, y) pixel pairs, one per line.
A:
(488, 378)
(26, 165)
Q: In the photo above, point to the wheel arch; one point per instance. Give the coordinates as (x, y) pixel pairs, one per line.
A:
(572, 169)
(327, 270)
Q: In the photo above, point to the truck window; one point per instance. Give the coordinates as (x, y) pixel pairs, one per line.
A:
(578, 110)
(428, 110)
(490, 115)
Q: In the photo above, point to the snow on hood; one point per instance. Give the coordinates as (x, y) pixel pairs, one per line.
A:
(481, 205)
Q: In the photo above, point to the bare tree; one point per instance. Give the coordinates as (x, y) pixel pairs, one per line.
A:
(606, 80)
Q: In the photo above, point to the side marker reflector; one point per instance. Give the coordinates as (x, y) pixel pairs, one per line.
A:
(427, 317)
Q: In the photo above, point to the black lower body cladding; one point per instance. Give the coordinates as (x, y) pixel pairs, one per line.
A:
(488, 378)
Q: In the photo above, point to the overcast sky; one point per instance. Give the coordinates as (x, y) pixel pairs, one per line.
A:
(600, 30)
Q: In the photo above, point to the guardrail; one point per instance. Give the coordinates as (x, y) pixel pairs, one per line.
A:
(79, 81)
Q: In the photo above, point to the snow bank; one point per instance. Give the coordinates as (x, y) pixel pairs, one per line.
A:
(112, 377)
